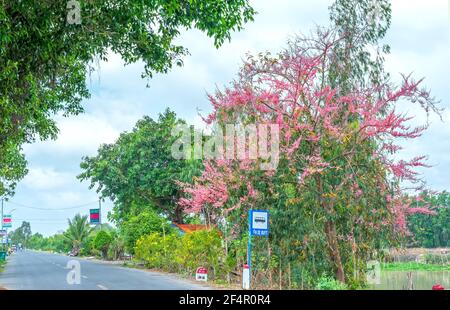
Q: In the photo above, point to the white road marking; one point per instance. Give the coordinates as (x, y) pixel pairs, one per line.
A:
(102, 287)
(84, 277)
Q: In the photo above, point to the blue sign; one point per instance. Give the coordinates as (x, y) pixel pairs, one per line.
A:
(259, 222)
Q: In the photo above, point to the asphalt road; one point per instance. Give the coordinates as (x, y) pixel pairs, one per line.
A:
(30, 270)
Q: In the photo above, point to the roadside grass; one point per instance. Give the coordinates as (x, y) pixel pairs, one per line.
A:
(414, 266)
(2, 265)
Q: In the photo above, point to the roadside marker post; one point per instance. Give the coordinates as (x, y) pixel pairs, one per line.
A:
(246, 278)
(201, 274)
(258, 225)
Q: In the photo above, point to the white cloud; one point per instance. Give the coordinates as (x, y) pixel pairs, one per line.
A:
(419, 14)
(81, 134)
(41, 178)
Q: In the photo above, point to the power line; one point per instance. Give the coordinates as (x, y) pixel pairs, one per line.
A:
(52, 209)
(42, 220)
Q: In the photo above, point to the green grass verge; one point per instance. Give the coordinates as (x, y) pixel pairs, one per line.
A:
(2, 265)
(413, 266)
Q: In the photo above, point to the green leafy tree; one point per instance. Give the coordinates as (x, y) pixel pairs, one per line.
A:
(143, 224)
(58, 243)
(138, 170)
(36, 241)
(359, 55)
(78, 231)
(12, 165)
(117, 246)
(21, 234)
(44, 58)
(431, 230)
(102, 242)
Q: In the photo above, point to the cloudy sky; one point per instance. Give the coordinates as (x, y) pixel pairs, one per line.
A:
(420, 42)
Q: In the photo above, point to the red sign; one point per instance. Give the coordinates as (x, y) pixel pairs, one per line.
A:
(201, 274)
(7, 220)
(202, 270)
(95, 216)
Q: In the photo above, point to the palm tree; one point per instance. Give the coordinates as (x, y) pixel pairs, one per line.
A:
(77, 232)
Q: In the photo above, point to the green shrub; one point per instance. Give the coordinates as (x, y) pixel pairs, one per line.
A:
(145, 223)
(116, 248)
(329, 283)
(57, 243)
(201, 249)
(101, 242)
(159, 251)
(438, 259)
(182, 254)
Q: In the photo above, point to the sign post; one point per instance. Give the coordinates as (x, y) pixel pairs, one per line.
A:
(258, 225)
(3, 236)
(2, 214)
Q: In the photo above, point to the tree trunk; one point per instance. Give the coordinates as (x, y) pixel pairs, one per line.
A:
(179, 214)
(330, 231)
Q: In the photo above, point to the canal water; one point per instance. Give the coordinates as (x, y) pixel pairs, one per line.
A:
(422, 280)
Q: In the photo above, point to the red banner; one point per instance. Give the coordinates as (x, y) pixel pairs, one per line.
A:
(94, 216)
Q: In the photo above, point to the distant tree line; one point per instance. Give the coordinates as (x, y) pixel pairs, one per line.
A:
(431, 230)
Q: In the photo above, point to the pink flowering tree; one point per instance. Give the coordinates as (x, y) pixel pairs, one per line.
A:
(336, 193)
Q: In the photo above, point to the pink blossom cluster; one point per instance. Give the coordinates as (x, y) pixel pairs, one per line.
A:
(290, 90)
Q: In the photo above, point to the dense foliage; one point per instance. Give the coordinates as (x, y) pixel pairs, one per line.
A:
(431, 230)
(172, 252)
(44, 59)
(138, 171)
(22, 234)
(78, 231)
(56, 243)
(145, 223)
(102, 241)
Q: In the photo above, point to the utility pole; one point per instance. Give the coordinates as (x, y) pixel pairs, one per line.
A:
(100, 212)
(2, 213)
(2, 225)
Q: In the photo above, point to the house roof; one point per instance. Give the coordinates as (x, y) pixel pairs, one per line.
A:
(188, 228)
